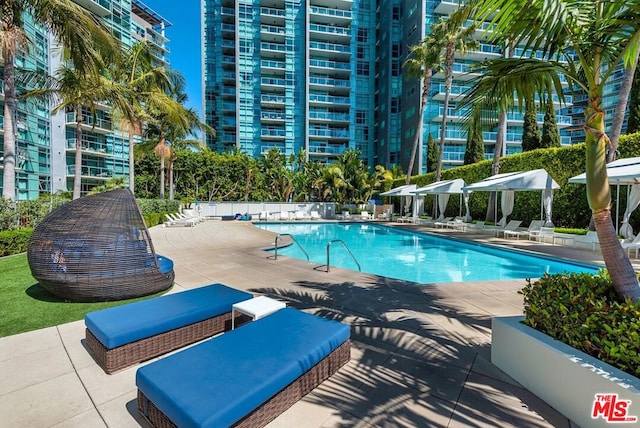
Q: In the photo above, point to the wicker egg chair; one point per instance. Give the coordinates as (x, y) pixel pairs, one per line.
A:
(97, 248)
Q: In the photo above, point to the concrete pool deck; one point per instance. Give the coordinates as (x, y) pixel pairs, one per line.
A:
(420, 353)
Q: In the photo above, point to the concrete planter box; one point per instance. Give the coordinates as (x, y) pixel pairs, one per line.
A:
(564, 377)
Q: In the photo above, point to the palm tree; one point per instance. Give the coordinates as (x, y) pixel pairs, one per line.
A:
(592, 39)
(80, 94)
(79, 32)
(456, 35)
(423, 59)
(136, 71)
(166, 118)
(179, 141)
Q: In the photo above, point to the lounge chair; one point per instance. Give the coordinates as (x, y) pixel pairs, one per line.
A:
(128, 334)
(315, 215)
(631, 245)
(590, 239)
(442, 222)
(533, 226)
(544, 233)
(364, 215)
(512, 225)
(478, 226)
(246, 377)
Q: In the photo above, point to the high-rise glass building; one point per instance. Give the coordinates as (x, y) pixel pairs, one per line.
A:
(327, 75)
(292, 75)
(45, 142)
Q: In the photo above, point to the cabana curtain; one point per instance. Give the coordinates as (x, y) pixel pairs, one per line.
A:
(506, 204)
(632, 203)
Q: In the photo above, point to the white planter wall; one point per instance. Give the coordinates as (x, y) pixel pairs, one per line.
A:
(565, 378)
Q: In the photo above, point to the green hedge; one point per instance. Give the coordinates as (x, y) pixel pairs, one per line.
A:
(570, 207)
(594, 319)
(14, 241)
(148, 206)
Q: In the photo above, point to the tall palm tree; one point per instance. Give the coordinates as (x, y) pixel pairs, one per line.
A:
(423, 59)
(80, 94)
(79, 32)
(592, 39)
(179, 138)
(166, 117)
(135, 70)
(456, 35)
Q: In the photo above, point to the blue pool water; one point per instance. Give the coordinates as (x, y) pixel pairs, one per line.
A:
(417, 257)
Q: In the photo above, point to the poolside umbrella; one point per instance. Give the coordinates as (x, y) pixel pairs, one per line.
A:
(623, 172)
(537, 179)
(442, 190)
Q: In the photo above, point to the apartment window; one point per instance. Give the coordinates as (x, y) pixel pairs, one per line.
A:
(361, 117)
(362, 68)
(395, 67)
(363, 35)
(396, 13)
(395, 105)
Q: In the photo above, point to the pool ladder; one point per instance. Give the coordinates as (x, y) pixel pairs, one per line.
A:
(275, 254)
(346, 248)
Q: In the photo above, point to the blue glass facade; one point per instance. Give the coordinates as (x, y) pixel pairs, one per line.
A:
(290, 75)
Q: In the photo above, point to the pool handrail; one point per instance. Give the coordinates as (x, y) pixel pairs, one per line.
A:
(275, 254)
(346, 248)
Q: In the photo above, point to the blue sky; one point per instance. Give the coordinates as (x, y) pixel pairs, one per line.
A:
(184, 44)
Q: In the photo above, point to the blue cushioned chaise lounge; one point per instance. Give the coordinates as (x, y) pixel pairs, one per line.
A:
(129, 334)
(245, 377)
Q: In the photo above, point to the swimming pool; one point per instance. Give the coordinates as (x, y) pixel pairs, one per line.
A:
(417, 257)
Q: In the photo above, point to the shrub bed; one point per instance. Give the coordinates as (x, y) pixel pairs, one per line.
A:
(584, 311)
(14, 241)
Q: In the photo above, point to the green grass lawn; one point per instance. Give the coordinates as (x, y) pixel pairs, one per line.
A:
(25, 305)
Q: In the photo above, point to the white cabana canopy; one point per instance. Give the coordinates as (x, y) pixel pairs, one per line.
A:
(537, 179)
(625, 172)
(407, 191)
(507, 183)
(621, 171)
(443, 189)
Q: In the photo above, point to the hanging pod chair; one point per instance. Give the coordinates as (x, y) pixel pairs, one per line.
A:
(97, 248)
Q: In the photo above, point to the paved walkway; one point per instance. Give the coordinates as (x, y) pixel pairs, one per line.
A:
(420, 355)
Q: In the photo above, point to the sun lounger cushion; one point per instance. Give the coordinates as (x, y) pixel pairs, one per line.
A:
(218, 382)
(124, 324)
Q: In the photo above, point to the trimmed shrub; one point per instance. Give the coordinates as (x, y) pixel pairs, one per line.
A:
(570, 206)
(148, 206)
(584, 311)
(14, 241)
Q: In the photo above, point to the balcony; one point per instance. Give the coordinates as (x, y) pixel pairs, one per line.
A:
(328, 116)
(89, 123)
(272, 99)
(96, 172)
(99, 7)
(328, 99)
(324, 82)
(445, 7)
(483, 51)
(330, 33)
(273, 132)
(339, 52)
(329, 133)
(90, 148)
(269, 115)
(330, 16)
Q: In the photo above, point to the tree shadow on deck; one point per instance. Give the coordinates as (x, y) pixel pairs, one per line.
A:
(418, 359)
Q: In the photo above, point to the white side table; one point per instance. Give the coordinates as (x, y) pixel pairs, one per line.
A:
(256, 308)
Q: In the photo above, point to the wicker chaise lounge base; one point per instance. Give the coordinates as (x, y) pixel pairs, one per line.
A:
(246, 377)
(129, 334)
